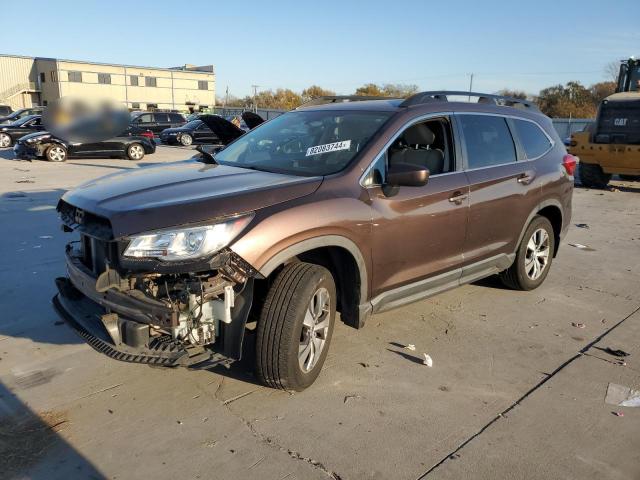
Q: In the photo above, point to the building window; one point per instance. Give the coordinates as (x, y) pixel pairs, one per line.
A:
(152, 106)
(75, 76)
(54, 75)
(134, 80)
(104, 78)
(45, 103)
(150, 82)
(135, 106)
(203, 85)
(43, 77)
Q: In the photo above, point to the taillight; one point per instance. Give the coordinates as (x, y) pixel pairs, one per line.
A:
(147, 134)
(569, 162)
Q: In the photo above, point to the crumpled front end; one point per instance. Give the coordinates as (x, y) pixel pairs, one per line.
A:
(145, 311)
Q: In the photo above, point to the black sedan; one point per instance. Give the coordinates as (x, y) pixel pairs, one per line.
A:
(208, 129)
(54, 149)
(18, 114)
(13, 131)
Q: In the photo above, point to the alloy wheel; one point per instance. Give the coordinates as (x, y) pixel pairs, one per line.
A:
(136, 152)
(186, 140)
(5, 140)
(537, 256)
(57, 154)
(315, 329)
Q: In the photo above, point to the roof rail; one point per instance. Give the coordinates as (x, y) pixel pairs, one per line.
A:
(441, 96)
(341, 99)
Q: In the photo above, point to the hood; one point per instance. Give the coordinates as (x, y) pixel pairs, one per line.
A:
(173, 194)
(226, 131)
(624, 97)
(40, 133)
(252, 119)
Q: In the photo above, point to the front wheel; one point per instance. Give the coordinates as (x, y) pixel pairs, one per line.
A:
(56, 153)
(295, 326)
(186, 139)
(533, 258)
(5, 140)
(135, 152)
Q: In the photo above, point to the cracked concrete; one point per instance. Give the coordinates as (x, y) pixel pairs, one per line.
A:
(499, 369)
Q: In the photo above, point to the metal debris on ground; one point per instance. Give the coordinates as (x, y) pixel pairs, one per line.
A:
(615, 352)
(428, 361)
(582, 247)
(349, 397)
(410, 347)
(622, 396)
(578, 325)
(618, 414)
(582, 225)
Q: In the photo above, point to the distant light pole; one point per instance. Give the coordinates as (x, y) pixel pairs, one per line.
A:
(470, 85)
(255, 92)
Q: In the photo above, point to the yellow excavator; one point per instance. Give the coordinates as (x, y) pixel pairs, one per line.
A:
(611, 145)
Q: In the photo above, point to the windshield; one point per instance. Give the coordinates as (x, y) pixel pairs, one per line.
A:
(23, 120)
(304, 143)
(193, 124)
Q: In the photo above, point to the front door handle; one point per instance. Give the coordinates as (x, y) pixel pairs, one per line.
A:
(458, 198)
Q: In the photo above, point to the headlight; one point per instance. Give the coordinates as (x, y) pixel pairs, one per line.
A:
(186, 243)
(37, 139)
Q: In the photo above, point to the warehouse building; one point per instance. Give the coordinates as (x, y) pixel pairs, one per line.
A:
(28, 81)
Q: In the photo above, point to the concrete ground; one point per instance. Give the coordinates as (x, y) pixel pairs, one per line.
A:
(516, 391)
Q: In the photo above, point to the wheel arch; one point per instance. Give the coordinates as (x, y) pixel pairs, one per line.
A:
(552, 210)
(342, 257)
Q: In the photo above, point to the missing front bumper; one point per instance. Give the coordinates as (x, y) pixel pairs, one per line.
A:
(84, 317)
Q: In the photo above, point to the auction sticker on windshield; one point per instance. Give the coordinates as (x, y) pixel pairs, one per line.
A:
(329, 147)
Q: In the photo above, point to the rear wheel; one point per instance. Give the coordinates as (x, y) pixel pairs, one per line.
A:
(5, 140)
(295, 327)
(186, 139)
(135, 152)
(533, 258)
(56, 153)
(592, 176)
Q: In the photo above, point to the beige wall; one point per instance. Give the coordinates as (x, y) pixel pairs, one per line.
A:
(18, 79)
(175, 89)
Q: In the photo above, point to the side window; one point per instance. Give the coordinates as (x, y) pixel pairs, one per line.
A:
(426, 144)
(146, 118)
(176, 117)
(488, 140)
(161, 117)
(534, 141)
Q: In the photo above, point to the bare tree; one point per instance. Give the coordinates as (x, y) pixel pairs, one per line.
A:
(611, 70)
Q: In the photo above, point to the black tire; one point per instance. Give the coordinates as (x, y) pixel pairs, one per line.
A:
(135, 152)
(592, 176)
(186, 140)
(280, 330)
(630, 178)
(5, 140)
(516, 276)
(56, 153)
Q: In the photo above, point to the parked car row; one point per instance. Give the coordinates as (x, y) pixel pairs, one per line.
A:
(24, 130)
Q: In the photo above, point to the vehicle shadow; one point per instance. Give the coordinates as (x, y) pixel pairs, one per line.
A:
(31, 447)
(491, 282)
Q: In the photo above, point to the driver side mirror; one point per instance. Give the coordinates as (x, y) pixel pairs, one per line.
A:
(407, 175)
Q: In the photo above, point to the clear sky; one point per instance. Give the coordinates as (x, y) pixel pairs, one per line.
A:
(338, 45)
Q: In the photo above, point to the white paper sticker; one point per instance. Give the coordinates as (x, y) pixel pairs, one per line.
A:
(329, 147)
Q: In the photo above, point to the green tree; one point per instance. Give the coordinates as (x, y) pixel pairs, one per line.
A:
(572, 99)
(369, 90)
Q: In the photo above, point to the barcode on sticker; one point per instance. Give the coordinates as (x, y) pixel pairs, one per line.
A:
(329, 147)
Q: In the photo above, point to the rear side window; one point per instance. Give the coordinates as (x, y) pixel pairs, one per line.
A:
(488, 140)
(160, 117)
(533, 139)
(176, 117)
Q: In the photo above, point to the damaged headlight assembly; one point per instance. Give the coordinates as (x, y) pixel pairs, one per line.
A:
(187, 243)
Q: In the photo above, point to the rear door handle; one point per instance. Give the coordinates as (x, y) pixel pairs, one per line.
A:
(526, 178)
(458, 198)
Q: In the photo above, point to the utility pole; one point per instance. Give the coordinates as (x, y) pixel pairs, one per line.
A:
(255, 92)
(226, 97)
(470, 85)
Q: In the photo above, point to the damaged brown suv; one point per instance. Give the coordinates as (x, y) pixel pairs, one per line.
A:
(345, 205)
